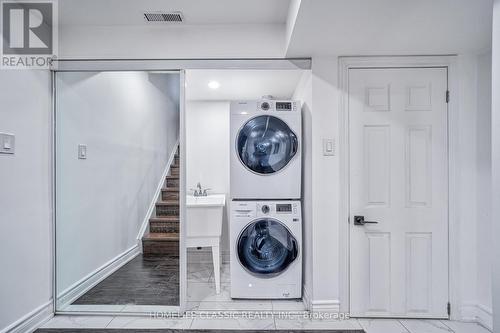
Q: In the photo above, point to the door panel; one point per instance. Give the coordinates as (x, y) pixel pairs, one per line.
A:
(398, 178)
(376, 168)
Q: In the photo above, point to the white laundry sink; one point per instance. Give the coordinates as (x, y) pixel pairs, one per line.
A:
(204, 215)
(204, 226)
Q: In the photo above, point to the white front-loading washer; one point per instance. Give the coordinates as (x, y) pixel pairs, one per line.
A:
(266, 249)
(265, 149)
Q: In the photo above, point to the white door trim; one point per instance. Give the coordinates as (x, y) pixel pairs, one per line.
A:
(449, 62)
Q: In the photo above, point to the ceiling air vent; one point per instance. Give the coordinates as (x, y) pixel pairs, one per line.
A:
(175, 17)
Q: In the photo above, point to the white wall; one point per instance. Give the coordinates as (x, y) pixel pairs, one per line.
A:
(207, 151)
(164, 42)
(466, 224)
(325, 185)
(25, 206)
(483, 198)
(130, 125)
(496, 162)
(473, 249)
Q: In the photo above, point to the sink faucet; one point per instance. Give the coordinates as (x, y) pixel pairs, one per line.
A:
(199, 192)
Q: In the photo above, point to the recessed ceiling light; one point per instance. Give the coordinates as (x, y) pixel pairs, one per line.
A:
(213, 85)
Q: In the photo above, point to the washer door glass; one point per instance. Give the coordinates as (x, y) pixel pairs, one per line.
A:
(266, 144)
(266, 248)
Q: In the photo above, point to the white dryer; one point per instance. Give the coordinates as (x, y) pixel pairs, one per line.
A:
(265, 149)
(266, 249)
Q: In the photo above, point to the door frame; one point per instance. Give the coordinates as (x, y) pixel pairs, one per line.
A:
(448, 62)
(150, 65)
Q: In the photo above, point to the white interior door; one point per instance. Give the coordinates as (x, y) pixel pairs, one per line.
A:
(399, 179)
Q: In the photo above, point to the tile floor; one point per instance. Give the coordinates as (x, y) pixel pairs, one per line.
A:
(270, 323)
(202, 297)
(201, 294)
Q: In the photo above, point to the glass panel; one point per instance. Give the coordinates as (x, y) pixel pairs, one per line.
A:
(266, 144)
(116, 134)
(266, 247)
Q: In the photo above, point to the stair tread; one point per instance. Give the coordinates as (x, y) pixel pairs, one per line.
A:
(170, 189)
(161, 236)
(164, 219)
(173, 177)
(167, 202)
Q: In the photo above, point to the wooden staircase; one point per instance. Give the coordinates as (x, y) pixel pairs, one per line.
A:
(163, 235)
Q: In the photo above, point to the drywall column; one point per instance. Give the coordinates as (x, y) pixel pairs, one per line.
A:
(466, 167)
(325, 187)
(484, 221)
(495, 136)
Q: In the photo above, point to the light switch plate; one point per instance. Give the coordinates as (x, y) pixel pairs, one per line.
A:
(329, 147)
(82, 152)
(7, 143)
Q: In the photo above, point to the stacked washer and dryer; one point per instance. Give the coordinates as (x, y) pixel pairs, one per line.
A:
(265, 224)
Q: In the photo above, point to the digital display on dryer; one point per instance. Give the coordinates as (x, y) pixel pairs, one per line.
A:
(283, 208)
(283, 106)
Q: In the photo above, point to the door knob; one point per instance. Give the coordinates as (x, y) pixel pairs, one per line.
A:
(360, 220)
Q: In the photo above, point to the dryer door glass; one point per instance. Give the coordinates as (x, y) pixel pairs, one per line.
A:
(266, 144)
(266, 248)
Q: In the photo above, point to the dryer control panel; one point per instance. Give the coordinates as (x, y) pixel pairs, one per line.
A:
(264, 106)
(273, 105)
(253, 209)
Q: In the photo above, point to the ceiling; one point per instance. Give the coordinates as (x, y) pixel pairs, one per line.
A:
(313, 27)
(241, 84)
(386, 27)
(196, 12)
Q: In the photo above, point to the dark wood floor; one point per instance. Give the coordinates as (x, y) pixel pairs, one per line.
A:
(82, 330)
(151, 280)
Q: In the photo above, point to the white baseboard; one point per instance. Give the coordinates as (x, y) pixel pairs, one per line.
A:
(156, 197)
(478, 313)
(306, 297)
(32, 320)
(69, 295)
(329, 306)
